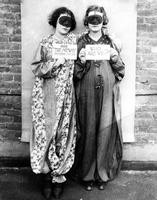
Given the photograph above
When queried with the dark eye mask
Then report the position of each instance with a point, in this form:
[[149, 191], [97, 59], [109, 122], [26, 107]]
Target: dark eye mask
[[95, 19], [65, 21]]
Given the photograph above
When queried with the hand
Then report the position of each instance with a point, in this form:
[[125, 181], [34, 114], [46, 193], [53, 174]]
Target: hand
[[60, 61], [82, 55], [105, 30], [113, 54]]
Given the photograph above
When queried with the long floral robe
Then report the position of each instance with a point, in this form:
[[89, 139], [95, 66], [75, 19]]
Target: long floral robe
[[53, 112], [99, 146]]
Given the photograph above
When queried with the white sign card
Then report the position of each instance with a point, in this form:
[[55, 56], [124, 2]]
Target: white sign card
[[97, 52], [68, 51]]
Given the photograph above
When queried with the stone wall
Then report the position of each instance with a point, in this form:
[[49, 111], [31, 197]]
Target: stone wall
[[146, 72], [10, 73]]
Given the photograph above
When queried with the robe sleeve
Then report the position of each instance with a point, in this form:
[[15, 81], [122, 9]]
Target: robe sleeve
[[80, 69], [41, 66], [116, 62], [118, 66]]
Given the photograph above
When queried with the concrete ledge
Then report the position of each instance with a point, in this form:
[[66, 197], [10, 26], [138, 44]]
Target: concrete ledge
[[136, 156], [145, 152], [132, 151], [14, 149], [20, 162]]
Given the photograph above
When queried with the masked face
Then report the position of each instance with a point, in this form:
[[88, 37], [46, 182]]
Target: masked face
[[65, 21], [95, 19], [63, 25]]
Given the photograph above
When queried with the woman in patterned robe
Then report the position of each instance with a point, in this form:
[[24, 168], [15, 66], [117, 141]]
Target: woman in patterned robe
[[99, 147], [53, 106]]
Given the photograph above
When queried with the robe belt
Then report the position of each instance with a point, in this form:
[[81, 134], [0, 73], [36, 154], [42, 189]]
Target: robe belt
[[99, 83]]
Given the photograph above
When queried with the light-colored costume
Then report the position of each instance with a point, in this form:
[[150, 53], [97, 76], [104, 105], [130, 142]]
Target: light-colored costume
[[53, 112]]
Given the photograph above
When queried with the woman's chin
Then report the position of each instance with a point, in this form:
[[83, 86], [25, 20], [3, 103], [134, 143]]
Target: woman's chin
[[95, 30], [64, 31]]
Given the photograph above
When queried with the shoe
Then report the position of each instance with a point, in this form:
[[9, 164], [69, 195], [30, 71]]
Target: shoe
[[88, 185], [101, 185], [47, 186], [57, 190], [47, 192]]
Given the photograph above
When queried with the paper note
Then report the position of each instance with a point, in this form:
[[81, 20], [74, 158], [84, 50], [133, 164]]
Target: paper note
[[68, 51], [98, 52]]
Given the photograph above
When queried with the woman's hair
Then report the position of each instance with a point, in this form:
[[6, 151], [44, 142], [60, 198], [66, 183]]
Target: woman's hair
[[53, 17], [96, 8]]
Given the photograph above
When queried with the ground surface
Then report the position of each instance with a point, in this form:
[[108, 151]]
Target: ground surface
[[129, 185]]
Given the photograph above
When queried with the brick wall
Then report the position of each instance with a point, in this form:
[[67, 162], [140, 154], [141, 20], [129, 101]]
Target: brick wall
[[10, 75], [146, 72], [10, 70]]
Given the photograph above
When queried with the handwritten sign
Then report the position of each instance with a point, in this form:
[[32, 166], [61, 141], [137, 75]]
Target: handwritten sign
[[97, 52], [68, 51]]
